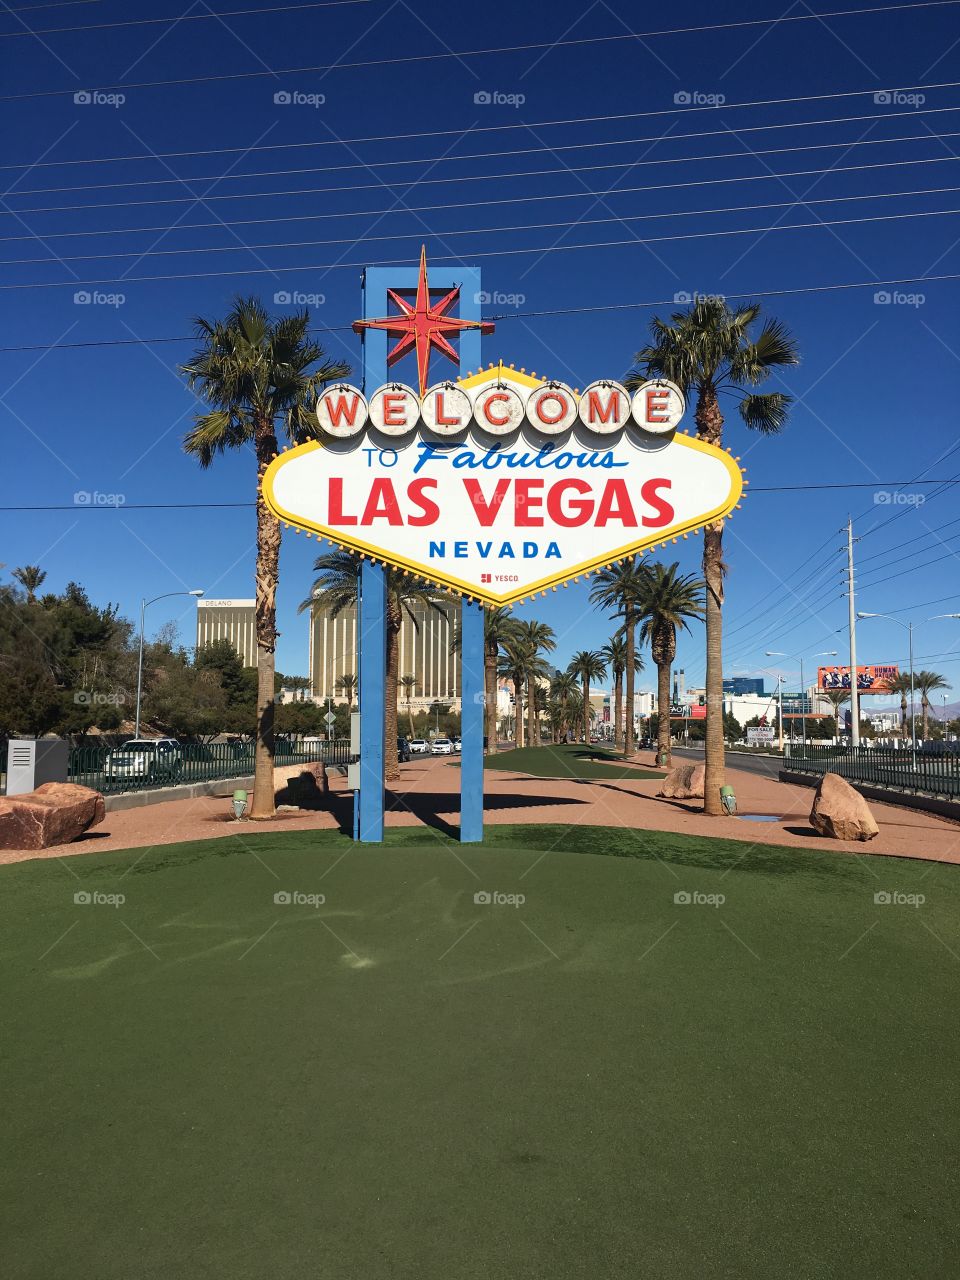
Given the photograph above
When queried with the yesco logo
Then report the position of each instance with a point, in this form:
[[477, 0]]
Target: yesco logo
[[502, 485]]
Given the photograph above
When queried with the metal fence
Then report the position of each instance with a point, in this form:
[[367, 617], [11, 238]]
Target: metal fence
[[116, 770], [931, 772]]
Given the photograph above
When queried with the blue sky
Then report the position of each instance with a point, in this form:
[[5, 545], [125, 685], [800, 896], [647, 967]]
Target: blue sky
[[874, 394]]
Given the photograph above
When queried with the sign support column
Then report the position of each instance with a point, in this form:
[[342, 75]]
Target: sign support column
[[472, 703], [372, 645]]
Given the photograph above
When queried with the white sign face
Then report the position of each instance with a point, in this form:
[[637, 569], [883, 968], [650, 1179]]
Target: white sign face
[[499, 519], [760, 735]]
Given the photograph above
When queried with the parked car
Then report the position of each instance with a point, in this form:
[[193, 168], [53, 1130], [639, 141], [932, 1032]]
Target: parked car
[[147, 759], [403, 750], [442, 747], [418, 747], [458, 744]]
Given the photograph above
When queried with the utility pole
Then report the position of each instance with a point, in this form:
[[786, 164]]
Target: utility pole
[[854, 690]]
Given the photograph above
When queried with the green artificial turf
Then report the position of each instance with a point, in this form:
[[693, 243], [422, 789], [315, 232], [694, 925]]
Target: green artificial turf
[[572, 760], [406, 1083]]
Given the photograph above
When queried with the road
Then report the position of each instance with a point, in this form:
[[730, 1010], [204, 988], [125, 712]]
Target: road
[[768, 766]]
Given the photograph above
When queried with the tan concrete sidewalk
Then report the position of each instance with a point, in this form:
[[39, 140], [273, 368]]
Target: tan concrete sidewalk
[[428, 796]]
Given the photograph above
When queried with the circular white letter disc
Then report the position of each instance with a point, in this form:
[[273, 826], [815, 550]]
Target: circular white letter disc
[[498, 410], [394, 409], [446, 409], [658, 407], [605, 407], [341, 411], [552, 408]]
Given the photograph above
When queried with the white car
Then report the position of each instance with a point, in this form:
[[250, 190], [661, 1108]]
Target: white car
[[457, 745], [150, 759], [442, 747], [418, 747]]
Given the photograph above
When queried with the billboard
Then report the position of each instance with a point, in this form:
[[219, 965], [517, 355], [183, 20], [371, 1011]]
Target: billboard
[[502, 485], [870, 679]]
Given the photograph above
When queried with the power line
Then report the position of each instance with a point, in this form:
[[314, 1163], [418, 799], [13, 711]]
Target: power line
[[193, 17], [527, 315], [488, 178], [488, 128], [475, 231], [461, 54], [433, 161], [542, 250]]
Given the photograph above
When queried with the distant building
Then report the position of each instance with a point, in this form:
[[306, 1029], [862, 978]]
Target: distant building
[[233, 620], [426, 653], [743, 684]]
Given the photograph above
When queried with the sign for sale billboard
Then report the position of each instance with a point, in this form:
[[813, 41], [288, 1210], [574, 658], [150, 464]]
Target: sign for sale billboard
[[502, 485]]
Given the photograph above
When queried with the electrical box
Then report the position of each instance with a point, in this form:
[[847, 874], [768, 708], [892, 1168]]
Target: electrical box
[[353, 776], [33, 761], [354, 733]]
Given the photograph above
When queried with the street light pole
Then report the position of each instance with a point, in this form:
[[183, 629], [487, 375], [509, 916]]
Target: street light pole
[[143, 610], [779, 653]]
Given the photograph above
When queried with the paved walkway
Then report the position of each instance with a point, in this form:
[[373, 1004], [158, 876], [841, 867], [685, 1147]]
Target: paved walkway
[[428, 796]]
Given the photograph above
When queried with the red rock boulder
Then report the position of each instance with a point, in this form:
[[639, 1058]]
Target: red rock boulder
[[840, 812], [56, 813], [685, 782]]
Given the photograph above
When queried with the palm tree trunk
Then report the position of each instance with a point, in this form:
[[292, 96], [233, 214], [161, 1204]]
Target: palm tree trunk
[[267, 573], [391, 765], [903, 715], [925, 716], [490, 691], [664, 756], [617, 711], [586, 710], [531, 713], [518, 709], [410, 715], [710, 428], [629, 744]]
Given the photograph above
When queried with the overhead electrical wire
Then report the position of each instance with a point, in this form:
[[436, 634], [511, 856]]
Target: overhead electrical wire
[[433, 161], [205, 199], [186, 17], [461, 54], [913, 112], [473, 231], [527, 315], [542, 250]]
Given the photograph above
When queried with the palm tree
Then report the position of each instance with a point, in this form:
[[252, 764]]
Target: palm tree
[[518, 661], [669, 600], [836, 698], [565, 691], [409, 683], [617, 588], [927, 682], [709, 349], [587, 665], [30, 577], [255, 374], [498, 625], [347, 685], [537, 637], [900, 684], [614, 654], [338, 586]]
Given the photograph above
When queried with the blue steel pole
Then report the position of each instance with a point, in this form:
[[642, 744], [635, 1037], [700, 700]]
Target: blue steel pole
[[372, 636], [472, 723]]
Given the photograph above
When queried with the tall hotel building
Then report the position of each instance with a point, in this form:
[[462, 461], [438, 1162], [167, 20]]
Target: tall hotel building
[[233, 620], [425, 652]]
